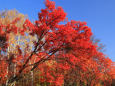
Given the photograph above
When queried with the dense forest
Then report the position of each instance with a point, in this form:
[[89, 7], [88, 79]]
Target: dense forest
[[51, 51]]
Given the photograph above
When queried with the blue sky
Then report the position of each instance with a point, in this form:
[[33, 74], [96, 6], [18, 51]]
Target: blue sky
[[99, 15]]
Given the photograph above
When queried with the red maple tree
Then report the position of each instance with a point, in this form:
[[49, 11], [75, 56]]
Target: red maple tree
[[63, 52]]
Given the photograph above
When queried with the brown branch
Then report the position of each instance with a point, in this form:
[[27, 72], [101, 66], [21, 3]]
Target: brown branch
[[43, 60], [15, 78]]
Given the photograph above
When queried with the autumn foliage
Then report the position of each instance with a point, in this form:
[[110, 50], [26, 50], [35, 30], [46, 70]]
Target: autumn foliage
[[52, 51]]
